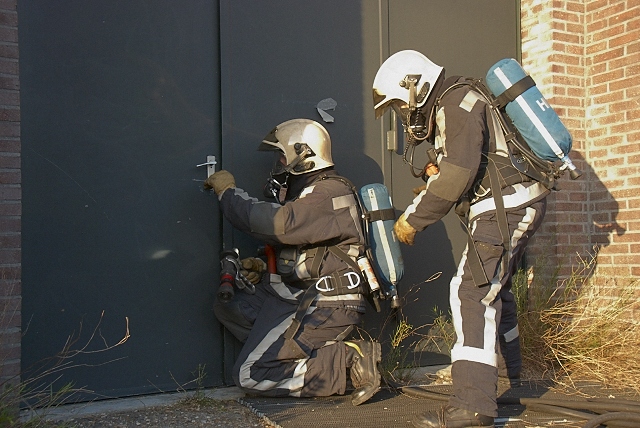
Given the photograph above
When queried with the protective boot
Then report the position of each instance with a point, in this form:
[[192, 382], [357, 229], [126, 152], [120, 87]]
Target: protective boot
[[363, 358], [452, 417]]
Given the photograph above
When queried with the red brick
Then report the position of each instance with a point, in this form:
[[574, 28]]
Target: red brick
[[10, 288], [10, 177], [9, 97], [9, 19], [10, 193], [10, 369], [10, 145], [12, 208], [10, 256]]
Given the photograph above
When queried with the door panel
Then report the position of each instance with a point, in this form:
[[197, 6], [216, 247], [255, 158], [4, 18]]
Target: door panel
[[119, 104]]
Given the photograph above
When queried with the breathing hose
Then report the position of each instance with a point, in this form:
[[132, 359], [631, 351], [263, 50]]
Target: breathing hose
[[625, 413]]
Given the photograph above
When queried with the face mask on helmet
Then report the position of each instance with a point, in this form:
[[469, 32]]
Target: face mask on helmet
[[404, 82], [305, 144], [276, 186]]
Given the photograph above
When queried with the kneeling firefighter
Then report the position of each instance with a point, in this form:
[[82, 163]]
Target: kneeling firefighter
[[464, 141], [294, 327]]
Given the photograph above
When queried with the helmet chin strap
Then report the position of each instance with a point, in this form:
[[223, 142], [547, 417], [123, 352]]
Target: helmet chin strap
[[304, 151]]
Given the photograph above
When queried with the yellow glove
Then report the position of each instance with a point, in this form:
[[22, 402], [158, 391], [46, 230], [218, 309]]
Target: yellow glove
[[404, 231], [220, 181], [253, 268]]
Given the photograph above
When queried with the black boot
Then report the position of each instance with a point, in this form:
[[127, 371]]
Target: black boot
[[452, 417], [363, 358]]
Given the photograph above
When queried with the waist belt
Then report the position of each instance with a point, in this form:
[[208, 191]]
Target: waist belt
[[343, 282], [338, 283]]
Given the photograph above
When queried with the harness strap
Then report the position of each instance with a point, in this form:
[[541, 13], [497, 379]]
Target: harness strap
[[501, 213], [386, 214], [307, 298], [475, 263], [514, 91], [508, 175]]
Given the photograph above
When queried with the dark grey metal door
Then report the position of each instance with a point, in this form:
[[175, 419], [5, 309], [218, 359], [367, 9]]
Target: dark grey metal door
[[120, 101]]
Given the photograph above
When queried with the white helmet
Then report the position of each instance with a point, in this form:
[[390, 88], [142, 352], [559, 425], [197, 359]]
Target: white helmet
[[304, 143], [404, 82]]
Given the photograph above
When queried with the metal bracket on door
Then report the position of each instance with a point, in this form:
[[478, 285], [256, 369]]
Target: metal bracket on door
[[210, 164]]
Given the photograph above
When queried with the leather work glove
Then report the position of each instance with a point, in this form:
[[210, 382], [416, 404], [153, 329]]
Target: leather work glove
[[253, 268], [404, 231], [220, 181]]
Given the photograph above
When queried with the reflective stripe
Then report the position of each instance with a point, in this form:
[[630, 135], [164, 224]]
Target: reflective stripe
[[476, 355], [469, 101], [384, 241], [501, 143], [283, 291], [340, 297], [349, 201], [441, 139], [293, 384], [306, 191], [512, 334], [301, 267], [343, 201], [521, 196], [487, 354], [354, 251]]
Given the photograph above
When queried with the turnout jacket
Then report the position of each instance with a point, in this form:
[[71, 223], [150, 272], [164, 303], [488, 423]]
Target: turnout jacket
[[465, 133], [323, 214]]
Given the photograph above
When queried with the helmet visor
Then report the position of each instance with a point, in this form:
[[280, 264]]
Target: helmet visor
[[279, 163]]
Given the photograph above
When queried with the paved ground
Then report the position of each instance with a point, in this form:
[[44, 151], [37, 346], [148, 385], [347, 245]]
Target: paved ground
[[215, 408], [219, 408]]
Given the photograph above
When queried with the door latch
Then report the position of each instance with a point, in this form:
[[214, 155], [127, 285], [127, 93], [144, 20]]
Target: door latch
[[210, 164]]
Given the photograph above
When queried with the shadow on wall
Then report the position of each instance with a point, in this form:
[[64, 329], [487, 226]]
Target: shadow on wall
[[583, 220], [603, 210]]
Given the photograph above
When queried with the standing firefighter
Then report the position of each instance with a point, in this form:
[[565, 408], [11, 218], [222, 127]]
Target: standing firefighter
[[460, 125], [295, 324]]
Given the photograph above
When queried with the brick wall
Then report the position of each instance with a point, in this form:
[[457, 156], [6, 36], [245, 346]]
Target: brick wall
[[585, 55], [10, 194]]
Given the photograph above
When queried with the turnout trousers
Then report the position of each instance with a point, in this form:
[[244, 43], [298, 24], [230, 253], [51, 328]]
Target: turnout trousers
[[477, 310], [313, 363]]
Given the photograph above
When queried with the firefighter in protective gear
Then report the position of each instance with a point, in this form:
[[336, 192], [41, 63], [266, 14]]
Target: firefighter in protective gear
[[296, 325], [463, 130]]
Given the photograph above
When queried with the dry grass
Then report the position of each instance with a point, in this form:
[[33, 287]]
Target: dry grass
[[580, 330], [39, 389]]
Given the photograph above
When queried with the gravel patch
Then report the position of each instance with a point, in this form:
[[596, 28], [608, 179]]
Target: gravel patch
[[212, 408], [228, 414]]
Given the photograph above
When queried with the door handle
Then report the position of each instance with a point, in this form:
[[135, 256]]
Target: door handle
[[210, 164]]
